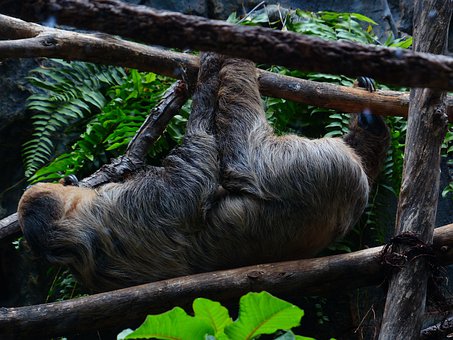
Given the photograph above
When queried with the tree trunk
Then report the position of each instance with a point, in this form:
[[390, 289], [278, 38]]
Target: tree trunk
[[427, 123]]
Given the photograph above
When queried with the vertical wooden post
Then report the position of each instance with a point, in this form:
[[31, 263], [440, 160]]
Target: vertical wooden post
[[427, 123]]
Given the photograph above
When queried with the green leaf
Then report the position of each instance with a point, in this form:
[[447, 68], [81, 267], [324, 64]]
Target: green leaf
[[232, 18], [174, 324], [96, 99], [262, 313], [213, 312], [363, 18]]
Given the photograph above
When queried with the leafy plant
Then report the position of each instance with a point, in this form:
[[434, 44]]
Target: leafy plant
[[259, 314], [66, 93], [64, 286], [108, 133]]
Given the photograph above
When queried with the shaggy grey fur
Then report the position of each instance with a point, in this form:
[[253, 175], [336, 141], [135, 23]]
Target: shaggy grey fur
[[232, 194]]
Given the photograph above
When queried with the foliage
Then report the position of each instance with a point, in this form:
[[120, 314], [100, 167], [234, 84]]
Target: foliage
[[108, 133], [64, 286], [66, 93], [259, 313]]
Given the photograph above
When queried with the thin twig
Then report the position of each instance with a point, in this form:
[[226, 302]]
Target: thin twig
[[389, 17]]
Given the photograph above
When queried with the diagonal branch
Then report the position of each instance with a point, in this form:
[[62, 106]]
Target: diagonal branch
[[151, 129], [136, 151]]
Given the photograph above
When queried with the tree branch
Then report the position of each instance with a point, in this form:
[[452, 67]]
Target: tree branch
[[121, 167], [105, 49], [9, 227], [157, 120], [124, 307], [388, 65], [439, 331]]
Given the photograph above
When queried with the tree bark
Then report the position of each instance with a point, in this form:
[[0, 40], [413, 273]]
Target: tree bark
[[124, 307], [388, 65], [427, 124], [9, 227], [157, 120]]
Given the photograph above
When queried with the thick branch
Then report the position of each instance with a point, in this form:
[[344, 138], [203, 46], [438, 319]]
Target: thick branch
[[28, 40], [125, 307], [105, 49], [392, 66], [9, 227], [417, 203]]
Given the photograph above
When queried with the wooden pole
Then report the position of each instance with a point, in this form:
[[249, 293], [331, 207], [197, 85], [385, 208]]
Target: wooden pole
[[427, 123]]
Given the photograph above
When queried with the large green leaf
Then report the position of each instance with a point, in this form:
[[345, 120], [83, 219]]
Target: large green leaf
[[262, 313], [66, 93], [212, 312], [174, 324]]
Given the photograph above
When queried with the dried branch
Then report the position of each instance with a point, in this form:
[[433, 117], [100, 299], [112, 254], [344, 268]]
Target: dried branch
[[124, 307], [133, 159], [388, 65], [9, 227], [20, 39], [157, 120]]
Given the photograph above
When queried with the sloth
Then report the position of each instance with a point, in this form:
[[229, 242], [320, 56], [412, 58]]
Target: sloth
[[232, 194]]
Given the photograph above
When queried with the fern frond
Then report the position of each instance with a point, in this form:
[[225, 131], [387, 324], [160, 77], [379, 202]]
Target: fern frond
[[65, 92]]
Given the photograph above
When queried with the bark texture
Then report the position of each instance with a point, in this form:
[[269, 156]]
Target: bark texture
[[427, 124]]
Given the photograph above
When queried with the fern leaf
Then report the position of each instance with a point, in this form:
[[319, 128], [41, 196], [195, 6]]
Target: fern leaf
[[65, 93]]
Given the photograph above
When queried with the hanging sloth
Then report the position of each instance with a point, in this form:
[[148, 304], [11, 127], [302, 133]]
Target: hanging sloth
[[232, 194]]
